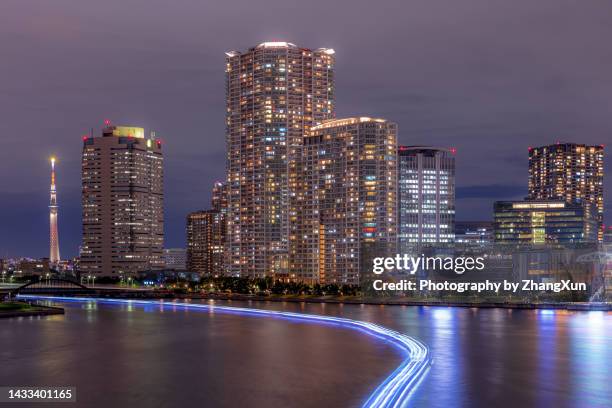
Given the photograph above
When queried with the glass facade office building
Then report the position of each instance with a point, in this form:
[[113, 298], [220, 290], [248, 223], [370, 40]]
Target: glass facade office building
[[426, 195], [544, 222]]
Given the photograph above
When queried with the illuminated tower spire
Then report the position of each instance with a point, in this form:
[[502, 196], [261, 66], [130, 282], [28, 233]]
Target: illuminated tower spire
[[54, 256]]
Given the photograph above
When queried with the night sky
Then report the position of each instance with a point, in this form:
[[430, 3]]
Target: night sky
[[488, 77]]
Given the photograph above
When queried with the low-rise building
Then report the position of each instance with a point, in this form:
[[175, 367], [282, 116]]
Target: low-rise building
[[175, 259], [544, 222]]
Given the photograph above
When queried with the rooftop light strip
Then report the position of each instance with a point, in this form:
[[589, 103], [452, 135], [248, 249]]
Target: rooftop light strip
[[394, 391]]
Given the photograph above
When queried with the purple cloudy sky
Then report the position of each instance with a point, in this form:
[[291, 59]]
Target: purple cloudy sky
[[489, 77]]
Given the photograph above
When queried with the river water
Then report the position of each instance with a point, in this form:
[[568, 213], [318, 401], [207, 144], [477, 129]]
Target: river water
[[127, 356]]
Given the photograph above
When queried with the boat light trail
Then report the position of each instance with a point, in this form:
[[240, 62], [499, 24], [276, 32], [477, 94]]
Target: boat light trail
[[394, 392]]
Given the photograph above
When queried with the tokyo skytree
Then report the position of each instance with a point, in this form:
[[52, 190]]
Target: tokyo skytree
[[54, 255]]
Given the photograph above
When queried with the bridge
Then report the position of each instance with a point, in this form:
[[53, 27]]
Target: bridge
[[52, 286], [66, 287]]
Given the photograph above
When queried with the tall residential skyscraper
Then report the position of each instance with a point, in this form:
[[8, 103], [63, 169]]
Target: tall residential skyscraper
[[275, 93], [568, 171], [54, 254], [219, 197], [426, 195], [347, 201], [122, 203], [205, 242]]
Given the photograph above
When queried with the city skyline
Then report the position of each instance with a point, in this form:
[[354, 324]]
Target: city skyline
[[306, 203], [489, 131]]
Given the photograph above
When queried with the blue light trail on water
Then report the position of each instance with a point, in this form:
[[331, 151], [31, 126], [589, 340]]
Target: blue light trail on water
[[394, 392]]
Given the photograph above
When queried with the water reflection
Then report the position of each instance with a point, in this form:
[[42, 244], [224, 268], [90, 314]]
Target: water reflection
[[590, 359], [482, 357], [135, 356], [499, 357]]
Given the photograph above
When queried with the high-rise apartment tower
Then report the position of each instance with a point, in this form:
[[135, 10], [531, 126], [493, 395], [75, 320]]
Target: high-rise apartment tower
[[347, 201], [122, 203], [570, 172], [205, 242], [275, 93]]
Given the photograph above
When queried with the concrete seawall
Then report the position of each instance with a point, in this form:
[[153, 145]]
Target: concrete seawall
[[399, 302]]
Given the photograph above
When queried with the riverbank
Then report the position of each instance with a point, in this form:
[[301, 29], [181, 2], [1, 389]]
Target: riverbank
[[24, 309], [355, 300], [404, 302]]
